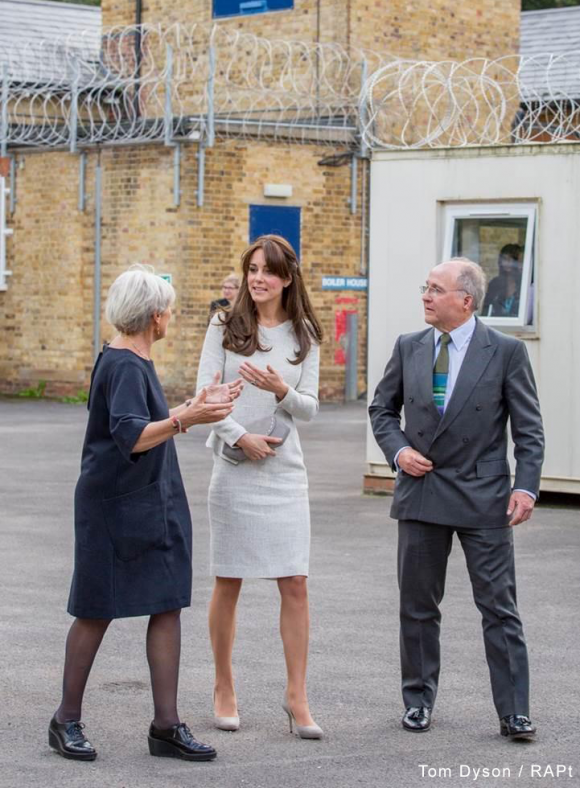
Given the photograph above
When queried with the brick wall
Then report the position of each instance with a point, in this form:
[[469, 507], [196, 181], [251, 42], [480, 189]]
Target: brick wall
[[425, 29], [437, 29], [300, 23], [46, 314], [47, 310]]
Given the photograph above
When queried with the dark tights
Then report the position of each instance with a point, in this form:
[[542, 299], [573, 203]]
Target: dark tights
[[163, 650]]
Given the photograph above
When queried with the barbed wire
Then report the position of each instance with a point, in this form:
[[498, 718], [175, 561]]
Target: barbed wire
[[514, 99], [202, 82], [147, 83]]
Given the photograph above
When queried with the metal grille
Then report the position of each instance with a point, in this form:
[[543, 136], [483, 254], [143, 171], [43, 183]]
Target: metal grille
[[150, 83]]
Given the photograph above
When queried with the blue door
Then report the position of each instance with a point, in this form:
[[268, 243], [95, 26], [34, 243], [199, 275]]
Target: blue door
[[277, 219]]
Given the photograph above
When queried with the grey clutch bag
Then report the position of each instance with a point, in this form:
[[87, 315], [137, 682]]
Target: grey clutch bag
[[271, 426]]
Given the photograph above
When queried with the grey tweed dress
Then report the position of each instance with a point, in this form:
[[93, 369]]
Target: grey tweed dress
[[258, 510]]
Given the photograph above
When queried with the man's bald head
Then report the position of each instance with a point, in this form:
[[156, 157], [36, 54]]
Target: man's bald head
[[469, 277], [455, 289]]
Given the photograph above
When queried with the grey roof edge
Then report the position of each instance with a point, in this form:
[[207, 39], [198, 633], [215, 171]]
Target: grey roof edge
[[54, 4], [565, 9]]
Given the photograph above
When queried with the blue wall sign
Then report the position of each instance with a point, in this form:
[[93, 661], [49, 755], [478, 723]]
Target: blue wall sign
[[344, 282]]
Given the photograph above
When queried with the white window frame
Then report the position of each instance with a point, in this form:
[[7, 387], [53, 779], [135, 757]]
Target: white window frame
[[514, 210], [4, 233]]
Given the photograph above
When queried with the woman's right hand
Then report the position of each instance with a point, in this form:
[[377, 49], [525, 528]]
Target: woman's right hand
[[258, 447], [202, 412], [224, 392]]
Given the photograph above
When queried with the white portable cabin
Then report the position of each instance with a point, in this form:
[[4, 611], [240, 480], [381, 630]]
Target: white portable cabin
[[429, 205]]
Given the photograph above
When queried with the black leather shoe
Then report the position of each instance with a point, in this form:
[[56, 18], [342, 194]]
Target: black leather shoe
[[517, 726], [68, 740], [417, 719], [178, 742]]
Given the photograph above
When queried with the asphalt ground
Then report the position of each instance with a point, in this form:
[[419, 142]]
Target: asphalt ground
[[354, 670]]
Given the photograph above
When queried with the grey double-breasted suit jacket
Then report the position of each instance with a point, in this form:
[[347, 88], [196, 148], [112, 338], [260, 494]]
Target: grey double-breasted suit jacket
[[469, 485]]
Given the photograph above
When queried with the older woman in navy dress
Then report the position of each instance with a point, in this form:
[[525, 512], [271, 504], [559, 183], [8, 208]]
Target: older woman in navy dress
[[132, 521]]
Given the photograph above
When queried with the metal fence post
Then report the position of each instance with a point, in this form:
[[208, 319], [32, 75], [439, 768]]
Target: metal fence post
[[97, 275], [4, 115], [200, 173], [364, 149], [351, 369], [168, 116], [176, 175], [74, 108], [12, 183], [353, 183], [82, 203], [210, 99]]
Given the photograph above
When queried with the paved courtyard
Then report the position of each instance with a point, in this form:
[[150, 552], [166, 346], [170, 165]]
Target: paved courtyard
[[353, 675]]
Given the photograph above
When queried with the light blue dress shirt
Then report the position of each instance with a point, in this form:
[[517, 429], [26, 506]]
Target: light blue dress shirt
[[460, 339]]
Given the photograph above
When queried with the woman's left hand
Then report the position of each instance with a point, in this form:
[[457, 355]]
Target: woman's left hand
[[267, 380]]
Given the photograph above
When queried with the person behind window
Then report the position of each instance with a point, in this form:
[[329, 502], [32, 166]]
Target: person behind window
[[230, 289], [132, 521], [503, 294]]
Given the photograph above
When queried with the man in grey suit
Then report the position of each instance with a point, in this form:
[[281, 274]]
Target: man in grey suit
[[458, 383]]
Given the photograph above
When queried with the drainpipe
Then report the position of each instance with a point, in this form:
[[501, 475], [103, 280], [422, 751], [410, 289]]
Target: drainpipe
[[97, 269], [138, 55]]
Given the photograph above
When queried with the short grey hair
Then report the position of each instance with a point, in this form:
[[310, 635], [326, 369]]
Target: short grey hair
[[135, 296], [472, 279], [234, 279]]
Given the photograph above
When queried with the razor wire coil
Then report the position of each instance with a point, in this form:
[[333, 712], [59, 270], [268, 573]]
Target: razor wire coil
[[165, 84]]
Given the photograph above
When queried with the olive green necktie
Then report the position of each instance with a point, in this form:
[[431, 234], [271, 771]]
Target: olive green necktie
[[441, 373]]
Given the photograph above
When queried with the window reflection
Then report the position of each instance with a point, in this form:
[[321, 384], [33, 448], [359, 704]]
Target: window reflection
[[498, 244]]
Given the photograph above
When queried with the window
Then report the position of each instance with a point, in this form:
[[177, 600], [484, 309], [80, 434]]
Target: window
[[236, 7], [277, 219], [500, 237]]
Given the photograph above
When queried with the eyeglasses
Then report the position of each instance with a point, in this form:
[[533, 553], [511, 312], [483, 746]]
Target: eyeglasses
[[230, 287], [435, 291]]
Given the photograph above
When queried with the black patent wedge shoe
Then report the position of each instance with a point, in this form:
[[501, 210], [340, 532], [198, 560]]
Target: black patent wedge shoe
[[68, 740], [178, 742]]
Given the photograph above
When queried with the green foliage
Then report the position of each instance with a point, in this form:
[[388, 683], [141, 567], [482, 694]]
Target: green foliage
[[38, 392], [537, 5], [78, 399], [34, 392]]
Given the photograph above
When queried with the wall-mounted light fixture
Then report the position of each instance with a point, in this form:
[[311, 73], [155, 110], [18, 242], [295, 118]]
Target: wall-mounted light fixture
[[277, 190]]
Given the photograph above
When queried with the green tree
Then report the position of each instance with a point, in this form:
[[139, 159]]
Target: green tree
[[536, 5]]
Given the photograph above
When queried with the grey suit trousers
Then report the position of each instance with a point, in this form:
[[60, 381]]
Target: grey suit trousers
[[422, 562]]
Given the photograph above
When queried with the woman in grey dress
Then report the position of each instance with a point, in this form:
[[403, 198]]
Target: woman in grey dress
[[258, 508]]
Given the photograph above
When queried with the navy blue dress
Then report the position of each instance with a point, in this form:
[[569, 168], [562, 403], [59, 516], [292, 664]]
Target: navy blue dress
[[132, 521]]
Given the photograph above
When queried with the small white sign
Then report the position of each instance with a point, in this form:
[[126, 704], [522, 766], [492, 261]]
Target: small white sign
[[344, 283]]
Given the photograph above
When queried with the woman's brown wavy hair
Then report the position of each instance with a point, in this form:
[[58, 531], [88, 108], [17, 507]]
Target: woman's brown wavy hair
[[241, 322]]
